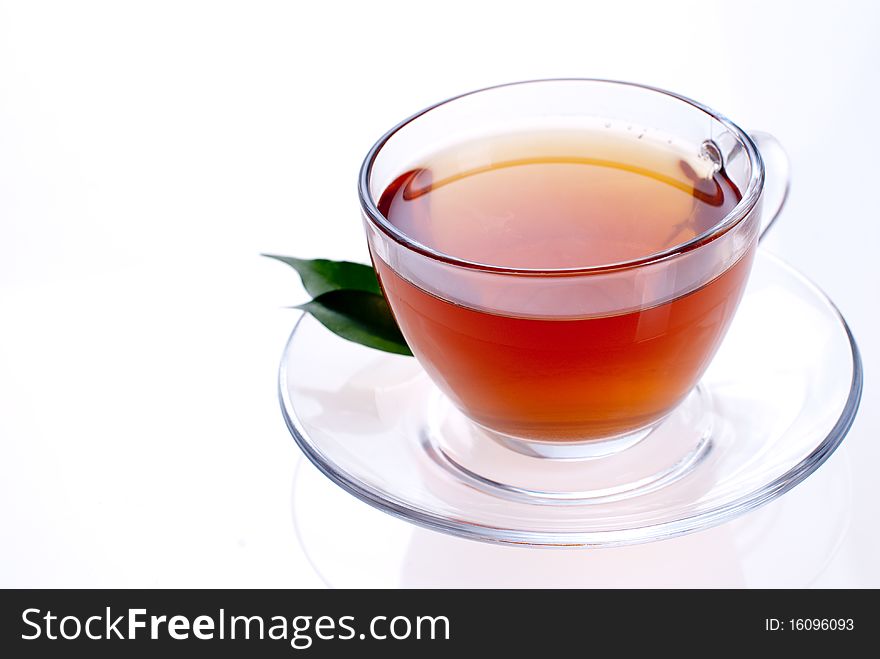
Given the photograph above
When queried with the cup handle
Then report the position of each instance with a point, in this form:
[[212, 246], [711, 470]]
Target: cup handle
[[777, 178]]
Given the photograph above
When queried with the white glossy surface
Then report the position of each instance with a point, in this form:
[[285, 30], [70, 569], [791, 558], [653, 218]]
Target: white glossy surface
[[148, 152]]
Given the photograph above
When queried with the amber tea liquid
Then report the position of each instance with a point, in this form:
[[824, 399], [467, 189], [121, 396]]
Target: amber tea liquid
[[562, 199]]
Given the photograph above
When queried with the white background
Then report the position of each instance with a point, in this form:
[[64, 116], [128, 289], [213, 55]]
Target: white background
[[150, 150]]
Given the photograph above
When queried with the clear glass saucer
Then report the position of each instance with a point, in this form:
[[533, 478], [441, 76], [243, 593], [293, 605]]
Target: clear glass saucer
[[777, 400]]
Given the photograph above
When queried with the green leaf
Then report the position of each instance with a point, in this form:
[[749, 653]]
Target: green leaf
[[321, 275], [359, 316]]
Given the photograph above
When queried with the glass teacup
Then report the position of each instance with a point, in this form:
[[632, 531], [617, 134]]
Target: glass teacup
[[587, 358]]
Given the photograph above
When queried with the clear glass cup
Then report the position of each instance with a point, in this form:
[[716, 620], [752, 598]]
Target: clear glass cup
[[643, 293]]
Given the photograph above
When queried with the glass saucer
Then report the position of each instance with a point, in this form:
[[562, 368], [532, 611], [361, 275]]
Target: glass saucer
[[777, 400]]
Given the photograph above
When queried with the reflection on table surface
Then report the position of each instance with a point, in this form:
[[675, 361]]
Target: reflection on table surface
[[787, 543]]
